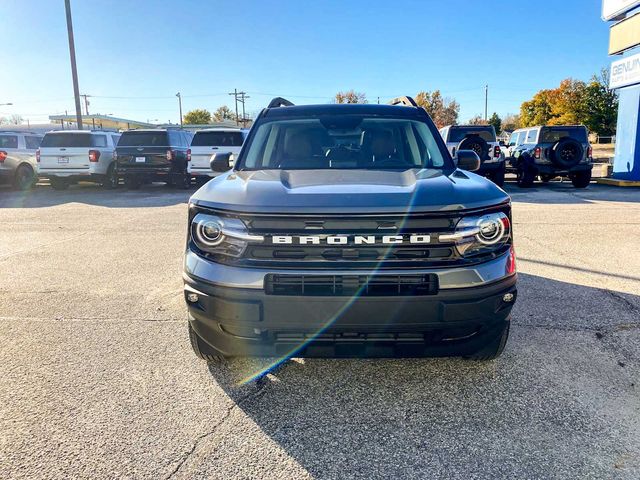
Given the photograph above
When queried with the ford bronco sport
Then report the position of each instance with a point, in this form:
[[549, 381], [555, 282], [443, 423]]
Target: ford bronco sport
[[549, 152], [348, 230]]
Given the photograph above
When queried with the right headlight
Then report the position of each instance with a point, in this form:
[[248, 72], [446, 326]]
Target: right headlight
[[220, 235], [483, 234]]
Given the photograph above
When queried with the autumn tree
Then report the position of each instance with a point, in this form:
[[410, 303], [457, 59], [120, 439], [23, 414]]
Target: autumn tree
[[350, 96], [477, 120], [223, 113], [510, 122], [443, 111], [198, 117], [496, 121]]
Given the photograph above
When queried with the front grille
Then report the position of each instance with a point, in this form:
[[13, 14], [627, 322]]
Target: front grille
[[351, 285]]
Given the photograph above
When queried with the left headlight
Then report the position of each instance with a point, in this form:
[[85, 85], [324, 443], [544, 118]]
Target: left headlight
[[477, 235], [221, 235]]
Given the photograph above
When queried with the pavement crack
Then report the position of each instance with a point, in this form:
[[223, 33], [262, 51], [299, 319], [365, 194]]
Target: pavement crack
[[621, 298], [256, 393]]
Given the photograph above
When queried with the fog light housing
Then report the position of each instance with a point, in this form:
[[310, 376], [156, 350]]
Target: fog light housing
[[192, 297], [508, 297]]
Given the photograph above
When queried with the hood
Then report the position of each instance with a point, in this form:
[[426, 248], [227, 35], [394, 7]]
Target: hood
[[348, 191]]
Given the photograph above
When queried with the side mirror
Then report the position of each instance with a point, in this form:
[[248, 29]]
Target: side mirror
[[467, 160], [221, 162]]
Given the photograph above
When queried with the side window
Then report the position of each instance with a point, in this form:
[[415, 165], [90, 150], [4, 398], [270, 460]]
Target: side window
[[175, 138], [521, 136], [531, 136], [99, 141], [8, 141], [32, 143], [513, 139]]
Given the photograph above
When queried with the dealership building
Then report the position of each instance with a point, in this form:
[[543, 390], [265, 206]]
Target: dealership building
[[624, 40]]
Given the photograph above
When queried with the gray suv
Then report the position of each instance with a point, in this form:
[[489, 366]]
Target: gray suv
[[550, 151], [18, 158]]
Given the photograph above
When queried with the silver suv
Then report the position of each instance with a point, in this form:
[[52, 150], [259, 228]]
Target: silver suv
[[550, 151], [18, 158]]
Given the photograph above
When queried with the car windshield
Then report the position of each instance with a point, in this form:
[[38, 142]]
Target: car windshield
[[343, 142], [217, 139], [143, 139], [66, 140], [457, 134], [552, 135]]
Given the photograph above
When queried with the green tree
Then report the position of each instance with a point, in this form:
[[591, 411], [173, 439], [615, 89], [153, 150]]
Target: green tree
[[223, 113], [197, 117], [496, 121], [601, 105], [350, 96], [443, 111]]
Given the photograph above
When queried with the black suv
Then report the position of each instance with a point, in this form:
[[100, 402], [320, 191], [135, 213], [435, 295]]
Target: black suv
[[160, 154], [549, 152], [348, 230]]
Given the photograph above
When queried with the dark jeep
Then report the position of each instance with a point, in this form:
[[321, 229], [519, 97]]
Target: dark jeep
[[348, 230]]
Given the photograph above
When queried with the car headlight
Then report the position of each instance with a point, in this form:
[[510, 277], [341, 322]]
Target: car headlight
[[477, 235], [220, 235]]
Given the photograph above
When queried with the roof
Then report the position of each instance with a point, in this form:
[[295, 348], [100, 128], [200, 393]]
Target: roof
[[102, 121], [218, 129], [344, 108]]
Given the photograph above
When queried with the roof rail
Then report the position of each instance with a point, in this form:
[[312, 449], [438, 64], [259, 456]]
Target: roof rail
[[279, 102], [405, 100]]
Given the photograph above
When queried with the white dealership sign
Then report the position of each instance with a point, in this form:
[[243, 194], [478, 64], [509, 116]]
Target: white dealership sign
[[613, 8], [625, 72]]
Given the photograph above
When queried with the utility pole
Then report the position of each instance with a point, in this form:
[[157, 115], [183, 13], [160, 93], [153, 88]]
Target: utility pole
[[74, 70], [243, 96], [486, 102], [86, 104], [180, 105], [235, 96]]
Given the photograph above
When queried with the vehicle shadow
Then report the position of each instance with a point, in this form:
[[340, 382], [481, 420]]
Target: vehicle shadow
[[42, 195], [563, 192], [558, 404]]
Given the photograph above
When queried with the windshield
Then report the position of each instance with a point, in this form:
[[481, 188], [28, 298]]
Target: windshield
[[143, 139], [457, 134], [343, 142], [217, 139]]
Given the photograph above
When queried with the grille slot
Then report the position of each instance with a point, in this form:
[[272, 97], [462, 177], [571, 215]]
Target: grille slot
[[349, 285]]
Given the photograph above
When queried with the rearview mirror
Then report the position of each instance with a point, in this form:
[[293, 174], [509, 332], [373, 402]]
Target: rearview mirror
[[467, 160], [221, 162]]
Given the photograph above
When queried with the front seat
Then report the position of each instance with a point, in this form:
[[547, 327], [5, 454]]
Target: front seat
[[299, 152], [378, 146]]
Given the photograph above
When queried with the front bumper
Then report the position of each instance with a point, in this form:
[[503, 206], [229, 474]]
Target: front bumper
[[246, 321]]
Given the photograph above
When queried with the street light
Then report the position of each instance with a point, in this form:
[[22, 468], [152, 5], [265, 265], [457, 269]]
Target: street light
[[180, 103]]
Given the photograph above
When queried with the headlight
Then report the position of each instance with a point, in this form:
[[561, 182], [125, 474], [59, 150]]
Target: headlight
[[220, 235], [476, 235]]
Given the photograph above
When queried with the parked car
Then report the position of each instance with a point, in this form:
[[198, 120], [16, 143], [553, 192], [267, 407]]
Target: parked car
[[207, 142], [482, 140], [18, 158], [68, 156], [149, 155], [551, 151], [348, 230]]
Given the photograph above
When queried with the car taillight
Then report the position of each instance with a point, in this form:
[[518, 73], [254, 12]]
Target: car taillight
[[496, 151], [94, 155], [38, 155], [188, 154], [537, 153], [590, 151], [511, 261], [3, 156]]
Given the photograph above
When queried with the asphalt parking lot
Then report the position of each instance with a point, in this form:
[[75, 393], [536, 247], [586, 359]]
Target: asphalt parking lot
[[97, 379]]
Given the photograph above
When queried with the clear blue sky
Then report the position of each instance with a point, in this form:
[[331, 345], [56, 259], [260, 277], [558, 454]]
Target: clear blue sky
[[303, 50]]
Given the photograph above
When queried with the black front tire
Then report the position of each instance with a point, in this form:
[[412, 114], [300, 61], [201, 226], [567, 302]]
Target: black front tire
[[201, 349], [25, 178], [494, 348], [525, 176], [111, 180], [185, 181], [59, 183], [581, 179]]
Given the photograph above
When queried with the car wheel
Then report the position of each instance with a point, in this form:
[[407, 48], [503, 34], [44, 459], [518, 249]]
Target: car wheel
[[25, 178], [494, 348], [185, 181], [201, 349], [581, 179], [525, 176], [132, 183], [59, 183], [112, 180]]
